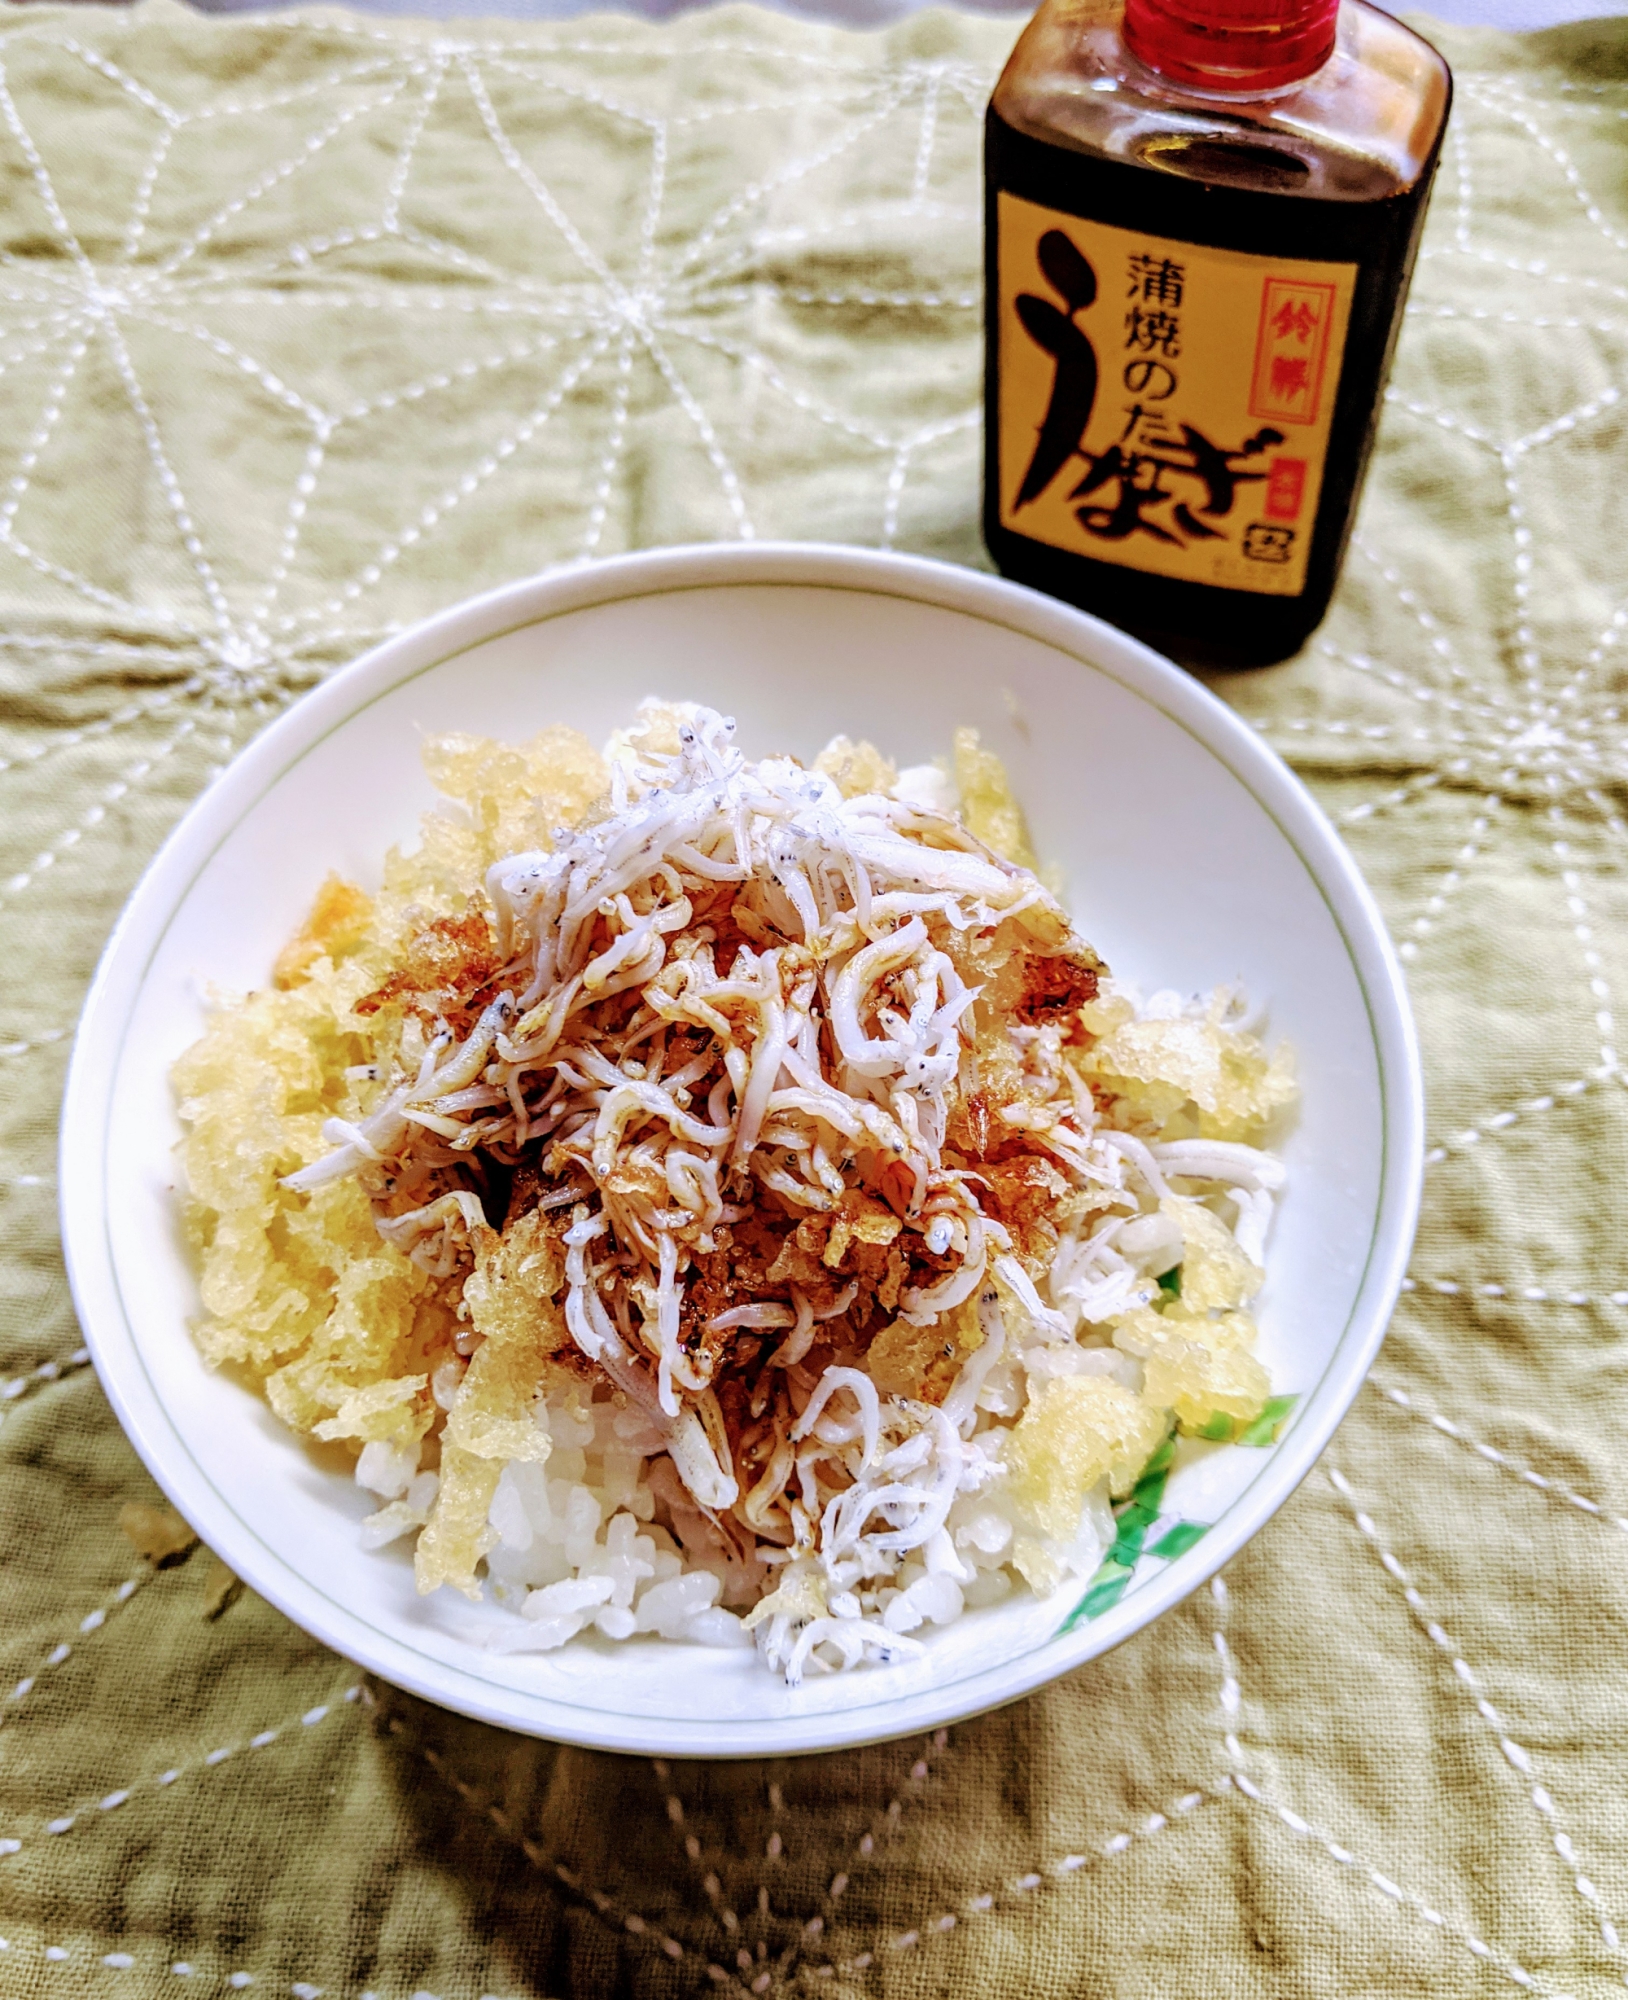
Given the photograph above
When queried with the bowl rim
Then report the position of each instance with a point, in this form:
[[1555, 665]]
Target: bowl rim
[[99, 1047]]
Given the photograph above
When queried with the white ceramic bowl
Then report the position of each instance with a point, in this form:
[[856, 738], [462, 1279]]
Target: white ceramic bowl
[[1192, 855]]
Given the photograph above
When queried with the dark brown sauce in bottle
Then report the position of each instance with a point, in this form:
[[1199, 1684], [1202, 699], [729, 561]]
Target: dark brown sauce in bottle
[[1078, 127]]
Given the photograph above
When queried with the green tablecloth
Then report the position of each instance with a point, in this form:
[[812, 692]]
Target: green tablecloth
[[307, 327]]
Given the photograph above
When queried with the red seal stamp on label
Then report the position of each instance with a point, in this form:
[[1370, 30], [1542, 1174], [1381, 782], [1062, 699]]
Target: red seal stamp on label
[[1285, 488], [1291, 347]]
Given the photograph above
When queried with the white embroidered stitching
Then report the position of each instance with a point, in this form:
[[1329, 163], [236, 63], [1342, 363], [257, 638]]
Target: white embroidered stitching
[[14, 1388], [145, 1788], [1515, 1755], [1526, 1474], [1392, 1891]]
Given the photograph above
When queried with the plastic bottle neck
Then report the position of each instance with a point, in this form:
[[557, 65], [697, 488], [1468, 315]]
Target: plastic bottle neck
[[1241, 47]]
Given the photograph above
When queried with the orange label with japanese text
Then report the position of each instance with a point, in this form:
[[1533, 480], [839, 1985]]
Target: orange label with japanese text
[[1165, 406]]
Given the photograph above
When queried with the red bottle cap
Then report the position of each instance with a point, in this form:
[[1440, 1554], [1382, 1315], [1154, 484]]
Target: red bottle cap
[[1233, 45]]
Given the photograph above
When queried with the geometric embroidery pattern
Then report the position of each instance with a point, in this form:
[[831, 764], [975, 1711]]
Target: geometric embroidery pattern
[[310, 327]]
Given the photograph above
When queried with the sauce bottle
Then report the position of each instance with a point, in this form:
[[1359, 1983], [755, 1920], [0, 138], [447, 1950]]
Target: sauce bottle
[[1201, 218]]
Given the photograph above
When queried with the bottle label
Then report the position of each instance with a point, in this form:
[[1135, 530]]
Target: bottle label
[[1163, 405]]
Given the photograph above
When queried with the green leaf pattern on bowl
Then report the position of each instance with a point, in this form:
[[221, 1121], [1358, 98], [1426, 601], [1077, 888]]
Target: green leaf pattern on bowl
[[1138, 1516]]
